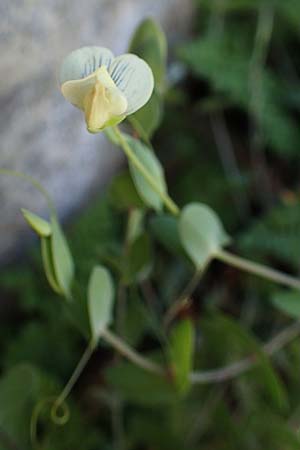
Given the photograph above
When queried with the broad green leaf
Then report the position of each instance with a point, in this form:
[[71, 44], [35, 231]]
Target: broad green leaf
[[100, 300], [19, 389], [123, 194], [182, 342], [138, 262], [139, 386], [62, 259], [38, 224], [202, 234], [148, 159], [165, 229], [288, 302], [47, 258], [147, 119], [149, 42]]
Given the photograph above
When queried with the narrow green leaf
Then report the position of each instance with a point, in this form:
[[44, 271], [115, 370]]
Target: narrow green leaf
[[288, 302], [152, 164], [48, 264], [38, 224], [100, 300], [62, 259], [202, 234], [182, 342]]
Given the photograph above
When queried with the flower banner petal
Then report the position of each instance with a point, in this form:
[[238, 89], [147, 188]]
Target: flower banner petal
[[134, 78], [83, 62]]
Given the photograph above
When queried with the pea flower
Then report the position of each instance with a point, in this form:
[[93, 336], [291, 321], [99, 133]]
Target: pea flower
[[106, 88]]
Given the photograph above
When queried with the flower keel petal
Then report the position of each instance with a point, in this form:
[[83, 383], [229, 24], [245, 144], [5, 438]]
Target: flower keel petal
[[104, 103]]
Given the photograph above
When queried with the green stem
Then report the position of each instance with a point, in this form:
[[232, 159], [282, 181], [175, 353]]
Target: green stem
[[166, 199], [237, 368], [130, 353], [34, 183], [183, 299], [258, 269], [76, 374]]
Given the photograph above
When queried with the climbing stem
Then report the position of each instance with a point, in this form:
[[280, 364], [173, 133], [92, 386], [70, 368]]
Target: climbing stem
[[36, 413], [258, 269], [228, 258], [131, 354], [76, 374], [166, 199]]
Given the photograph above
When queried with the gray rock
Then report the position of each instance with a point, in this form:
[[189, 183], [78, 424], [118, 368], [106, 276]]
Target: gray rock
[[42, 135]]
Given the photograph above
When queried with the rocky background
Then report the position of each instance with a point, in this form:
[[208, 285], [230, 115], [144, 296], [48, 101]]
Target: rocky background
[[42, 135]]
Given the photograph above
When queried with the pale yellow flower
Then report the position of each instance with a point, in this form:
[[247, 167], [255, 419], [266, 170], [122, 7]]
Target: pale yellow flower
[[106, 88]]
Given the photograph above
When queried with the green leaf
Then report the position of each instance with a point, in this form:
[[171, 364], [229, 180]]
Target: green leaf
[[39, 225], [147, 119], [49, 265], [202, 234], [139, 386], [62, 259], [149, 42], [19, 389], [100, 300], [123, 194], [153, 166], [165, 229], [138, 263], [287, 302], [182, 342], [135, 225]]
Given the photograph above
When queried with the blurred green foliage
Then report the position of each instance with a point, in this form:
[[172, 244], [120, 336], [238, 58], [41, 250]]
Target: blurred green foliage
[[229, 138]]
